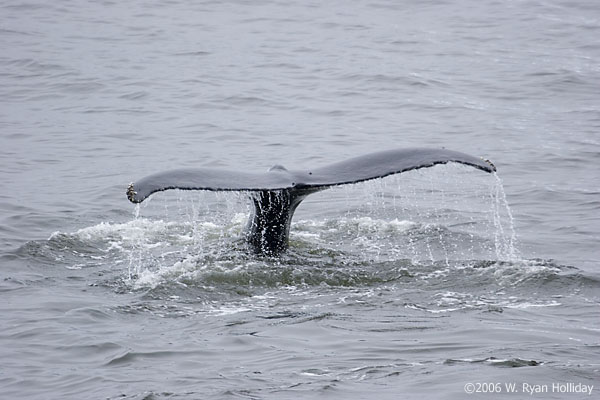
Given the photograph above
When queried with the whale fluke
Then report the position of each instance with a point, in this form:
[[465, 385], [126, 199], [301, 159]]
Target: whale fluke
[[277, 192]]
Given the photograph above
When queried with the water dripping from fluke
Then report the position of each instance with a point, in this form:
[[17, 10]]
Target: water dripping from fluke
[[277, 193], [506, 242], [135, 255]]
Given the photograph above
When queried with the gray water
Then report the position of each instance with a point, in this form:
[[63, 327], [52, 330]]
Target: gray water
[[415, 285]]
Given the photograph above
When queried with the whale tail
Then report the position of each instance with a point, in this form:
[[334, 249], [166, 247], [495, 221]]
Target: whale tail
[[277, 193]]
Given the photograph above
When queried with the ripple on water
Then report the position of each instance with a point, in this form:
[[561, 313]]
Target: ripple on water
[[497, 362]]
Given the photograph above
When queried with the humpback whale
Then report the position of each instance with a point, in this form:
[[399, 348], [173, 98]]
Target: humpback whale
[[276, 194]]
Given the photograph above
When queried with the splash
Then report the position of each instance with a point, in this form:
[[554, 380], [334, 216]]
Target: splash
[[199, 224], [445, 215]]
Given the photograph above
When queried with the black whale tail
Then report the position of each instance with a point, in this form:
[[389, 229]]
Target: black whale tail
[[277, 193]]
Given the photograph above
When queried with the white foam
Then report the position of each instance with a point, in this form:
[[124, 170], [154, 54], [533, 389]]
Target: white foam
[[531, 305], [363, 223], [228, 310], [519, 271], [151, 279], [376, 225]]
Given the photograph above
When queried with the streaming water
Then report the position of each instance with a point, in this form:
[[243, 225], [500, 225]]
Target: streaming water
[[397, 219], [506, 238]]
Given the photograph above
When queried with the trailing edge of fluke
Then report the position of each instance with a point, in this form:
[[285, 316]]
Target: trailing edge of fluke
[[277, 192]]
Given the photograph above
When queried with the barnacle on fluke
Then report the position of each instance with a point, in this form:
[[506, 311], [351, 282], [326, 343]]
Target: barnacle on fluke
[[489, 162], [131, 193]]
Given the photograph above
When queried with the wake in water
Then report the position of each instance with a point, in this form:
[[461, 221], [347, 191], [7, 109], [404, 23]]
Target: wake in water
[[423, 223], [435, 231]]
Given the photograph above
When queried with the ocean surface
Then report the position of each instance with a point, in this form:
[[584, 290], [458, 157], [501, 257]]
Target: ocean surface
[[433, 283]]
